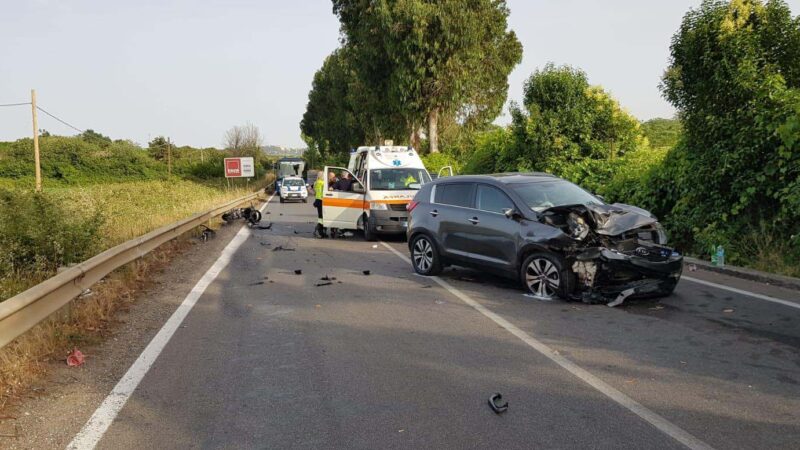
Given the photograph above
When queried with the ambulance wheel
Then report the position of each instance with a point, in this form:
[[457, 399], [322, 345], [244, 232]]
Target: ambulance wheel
[[369, 229]]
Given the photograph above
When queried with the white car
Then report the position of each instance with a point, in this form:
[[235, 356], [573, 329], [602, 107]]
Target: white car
[[293, 188]]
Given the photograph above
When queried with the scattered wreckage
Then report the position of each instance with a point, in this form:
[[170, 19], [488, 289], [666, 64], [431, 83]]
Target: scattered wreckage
[[614, 252]]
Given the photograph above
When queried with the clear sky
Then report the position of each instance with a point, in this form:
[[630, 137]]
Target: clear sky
[[191, 69]]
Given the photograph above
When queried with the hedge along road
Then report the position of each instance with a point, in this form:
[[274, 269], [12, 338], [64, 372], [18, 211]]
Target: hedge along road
[[267, 359]]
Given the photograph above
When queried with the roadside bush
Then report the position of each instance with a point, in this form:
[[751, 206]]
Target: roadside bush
[[435, 161], [38, 234]]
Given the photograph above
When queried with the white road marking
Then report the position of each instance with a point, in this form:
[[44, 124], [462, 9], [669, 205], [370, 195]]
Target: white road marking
[[743, 292], [662, 424], [104, 416]]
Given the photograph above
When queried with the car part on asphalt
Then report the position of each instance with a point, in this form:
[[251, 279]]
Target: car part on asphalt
[[366, 272], [498, 409], [281, 248], [327, 283], [298, 272]]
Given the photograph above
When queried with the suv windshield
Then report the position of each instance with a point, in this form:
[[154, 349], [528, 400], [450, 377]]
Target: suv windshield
[[398, 179], [294, 182], [546, 194]]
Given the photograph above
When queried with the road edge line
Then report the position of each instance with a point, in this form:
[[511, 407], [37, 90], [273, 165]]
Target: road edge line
[[743, 292], [651, 417], [97, 425]]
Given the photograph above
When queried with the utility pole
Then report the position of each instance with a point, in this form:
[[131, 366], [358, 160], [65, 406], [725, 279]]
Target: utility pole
[[36, 142], [169, 156]]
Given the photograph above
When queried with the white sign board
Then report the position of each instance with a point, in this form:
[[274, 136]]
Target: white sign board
[[243, 167]]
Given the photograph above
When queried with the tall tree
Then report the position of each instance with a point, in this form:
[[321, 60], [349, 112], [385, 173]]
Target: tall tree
[[447, 57], [734, 77], [244, 140], [565, 120]]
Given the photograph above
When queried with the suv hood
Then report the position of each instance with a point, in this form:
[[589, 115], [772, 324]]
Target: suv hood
[[609, 220]]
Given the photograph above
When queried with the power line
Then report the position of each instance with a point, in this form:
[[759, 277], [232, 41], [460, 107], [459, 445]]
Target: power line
[[65, 123], [15, 104]]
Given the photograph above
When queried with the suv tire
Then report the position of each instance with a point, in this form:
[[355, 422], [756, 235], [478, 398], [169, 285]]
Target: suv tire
[[425, 256], [545, 276]]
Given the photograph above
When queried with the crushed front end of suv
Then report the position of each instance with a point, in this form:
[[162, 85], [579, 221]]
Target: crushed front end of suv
[[554, 237], [614, 251]]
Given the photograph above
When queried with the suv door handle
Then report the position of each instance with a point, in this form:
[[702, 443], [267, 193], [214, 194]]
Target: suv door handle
[[434, 213], [474, 220]]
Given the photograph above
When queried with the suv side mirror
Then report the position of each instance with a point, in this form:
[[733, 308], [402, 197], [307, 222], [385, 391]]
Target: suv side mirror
[[357, 187]]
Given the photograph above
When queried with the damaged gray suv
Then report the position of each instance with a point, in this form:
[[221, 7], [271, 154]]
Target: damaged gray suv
[[551, 235]]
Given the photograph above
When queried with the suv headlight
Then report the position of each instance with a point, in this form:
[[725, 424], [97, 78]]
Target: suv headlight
[[378, 206]]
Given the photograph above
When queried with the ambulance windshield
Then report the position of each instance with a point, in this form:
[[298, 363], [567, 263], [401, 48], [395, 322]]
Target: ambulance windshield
[[398, 179]]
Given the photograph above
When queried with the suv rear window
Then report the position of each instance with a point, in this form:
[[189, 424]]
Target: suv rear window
[[456, 194]]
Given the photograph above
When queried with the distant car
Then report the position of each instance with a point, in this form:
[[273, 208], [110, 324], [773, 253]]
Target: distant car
[[293, 189], [551, 235]]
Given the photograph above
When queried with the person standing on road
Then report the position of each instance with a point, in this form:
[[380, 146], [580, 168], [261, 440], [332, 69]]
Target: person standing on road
[[319, 191]]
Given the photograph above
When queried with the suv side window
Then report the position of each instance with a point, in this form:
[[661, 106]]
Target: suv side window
[[456, 194], [489, 198]]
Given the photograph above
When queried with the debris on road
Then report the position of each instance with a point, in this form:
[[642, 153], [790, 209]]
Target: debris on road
[[263, 227], [621, 297], [692, 267], [265, 244], [656, 308], [498, 409], [728, 310], [374, 245], [207, 233], [281, 248], [257, 283], [366, 272], [327, 283], [75, 358], [328, 278], [298, 272]]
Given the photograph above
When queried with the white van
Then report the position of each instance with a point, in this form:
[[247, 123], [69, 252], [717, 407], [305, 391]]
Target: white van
[[386, 178]]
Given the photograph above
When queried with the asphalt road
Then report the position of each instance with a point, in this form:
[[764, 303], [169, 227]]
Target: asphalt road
[[268, 359]]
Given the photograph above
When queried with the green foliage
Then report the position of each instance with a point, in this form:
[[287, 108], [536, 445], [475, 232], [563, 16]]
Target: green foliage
[[335, 121], [662, 133], [433, 59], [158, 148], [74, 160], [735, 78], [436, 161], [94, 137], [38, 234], [566, 121]]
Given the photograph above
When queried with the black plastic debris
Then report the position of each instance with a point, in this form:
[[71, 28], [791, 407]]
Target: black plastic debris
[[327, 283], [263, 227], [493, 403], [257, 283], [328, 278], [298, 272], [207, 233], [366, 272], [281, 248], [265, 244]]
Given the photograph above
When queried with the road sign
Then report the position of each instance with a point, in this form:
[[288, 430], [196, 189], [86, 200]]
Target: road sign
[[239, 168]]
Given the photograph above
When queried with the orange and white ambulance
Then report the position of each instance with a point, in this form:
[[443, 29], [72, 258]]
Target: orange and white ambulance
[[386, 178]]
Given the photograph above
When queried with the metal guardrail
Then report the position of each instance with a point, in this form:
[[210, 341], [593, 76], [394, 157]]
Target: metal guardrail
[[25, 310]]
